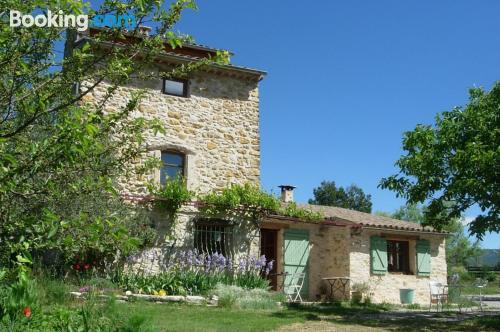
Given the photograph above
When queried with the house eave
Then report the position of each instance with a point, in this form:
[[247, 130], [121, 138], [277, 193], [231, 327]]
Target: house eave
[[171, 57]]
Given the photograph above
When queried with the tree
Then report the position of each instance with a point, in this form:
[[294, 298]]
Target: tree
[[458, 246], [351, 197], [61, 156], [411, 212], [455, 164]]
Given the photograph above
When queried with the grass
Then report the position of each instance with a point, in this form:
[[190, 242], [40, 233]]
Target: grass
[[172, 317], [340, 316], [490, 289]]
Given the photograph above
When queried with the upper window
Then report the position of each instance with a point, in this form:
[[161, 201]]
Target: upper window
[[175, 87], [398, 257], [173, 165]]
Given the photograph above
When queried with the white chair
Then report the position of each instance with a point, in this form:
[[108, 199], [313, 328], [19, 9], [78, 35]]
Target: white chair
[[437, 294], [293, 287]]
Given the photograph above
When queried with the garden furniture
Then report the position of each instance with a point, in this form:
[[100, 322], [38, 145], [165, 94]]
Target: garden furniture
[[293, 286], [338, 284], [438, 294]]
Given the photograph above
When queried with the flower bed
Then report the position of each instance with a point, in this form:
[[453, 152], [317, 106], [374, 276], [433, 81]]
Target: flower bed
[[193, 273]]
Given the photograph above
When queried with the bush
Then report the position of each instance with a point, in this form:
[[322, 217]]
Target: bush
[[462, 273], [237, 297], [21, 303]]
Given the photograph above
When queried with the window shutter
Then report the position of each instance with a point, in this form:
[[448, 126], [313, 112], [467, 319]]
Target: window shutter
[[378, 253], [423, 258]]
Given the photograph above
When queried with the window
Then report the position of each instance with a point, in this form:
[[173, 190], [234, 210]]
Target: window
[[175, 87], [173, 165], [398, 258], [210, 238]]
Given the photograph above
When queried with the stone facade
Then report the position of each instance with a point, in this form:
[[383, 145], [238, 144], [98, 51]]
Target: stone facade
[[385, 288], [329, 249], [216, 127], [344, 252]]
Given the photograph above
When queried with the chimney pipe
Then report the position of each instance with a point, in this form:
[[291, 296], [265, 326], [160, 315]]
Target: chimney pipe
[[287, 193], [144, 30]]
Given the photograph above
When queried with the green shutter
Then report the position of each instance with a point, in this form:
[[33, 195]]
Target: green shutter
[[296, 252], [378, 253], [423, 258]]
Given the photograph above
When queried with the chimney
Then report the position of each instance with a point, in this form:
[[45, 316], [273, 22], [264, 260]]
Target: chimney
[[287, 193], [144, 30]]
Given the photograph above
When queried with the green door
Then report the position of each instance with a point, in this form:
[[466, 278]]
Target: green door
[[297, 256]]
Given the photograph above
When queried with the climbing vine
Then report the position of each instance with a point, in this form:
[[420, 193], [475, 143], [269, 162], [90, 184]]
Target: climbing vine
[[170, 196], [246, 201], [293, 210]]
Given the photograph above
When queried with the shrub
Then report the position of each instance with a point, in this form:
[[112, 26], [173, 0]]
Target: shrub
[[231, 296], [462, 273]]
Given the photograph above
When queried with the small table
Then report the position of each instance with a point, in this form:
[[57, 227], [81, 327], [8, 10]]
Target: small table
[[338, 284]]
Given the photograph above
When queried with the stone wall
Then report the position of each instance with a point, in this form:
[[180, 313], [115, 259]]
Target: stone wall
[[327, 257], [385, 288], [174, 238], [217, 127]]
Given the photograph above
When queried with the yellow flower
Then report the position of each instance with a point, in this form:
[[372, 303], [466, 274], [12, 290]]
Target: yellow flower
[[162, 292]]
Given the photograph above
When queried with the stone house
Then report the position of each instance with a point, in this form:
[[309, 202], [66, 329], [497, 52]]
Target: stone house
[[212, 139]]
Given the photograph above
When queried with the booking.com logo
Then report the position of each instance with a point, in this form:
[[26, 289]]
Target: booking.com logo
[[58, 19]]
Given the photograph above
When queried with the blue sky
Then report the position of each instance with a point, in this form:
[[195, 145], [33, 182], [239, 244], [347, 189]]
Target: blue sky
[[347, 78]]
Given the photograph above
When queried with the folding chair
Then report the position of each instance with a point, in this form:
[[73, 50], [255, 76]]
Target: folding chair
[[294, 286]]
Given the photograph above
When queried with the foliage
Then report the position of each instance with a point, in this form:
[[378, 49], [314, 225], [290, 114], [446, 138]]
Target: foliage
[[410, 212], [63, 147], [17, 299], [250, 201], [170, 196], [363, 288], [459, 248], [351, 197], [413, 306], [455, 161], [237, 297], [193, 273], [292, 210], [24, 307]]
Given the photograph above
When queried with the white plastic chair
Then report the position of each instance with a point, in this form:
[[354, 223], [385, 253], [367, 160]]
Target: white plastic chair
[[292, 289], [437, 294]]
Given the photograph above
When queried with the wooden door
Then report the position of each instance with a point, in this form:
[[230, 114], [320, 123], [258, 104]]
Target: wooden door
[[269, 248]]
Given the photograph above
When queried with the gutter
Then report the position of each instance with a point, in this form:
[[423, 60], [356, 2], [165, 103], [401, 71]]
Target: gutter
[[388, 229]]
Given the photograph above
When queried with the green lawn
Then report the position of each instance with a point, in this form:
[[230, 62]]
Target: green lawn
[[170, 317], [491, 288]]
